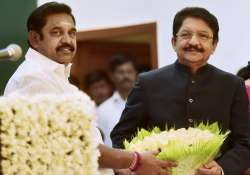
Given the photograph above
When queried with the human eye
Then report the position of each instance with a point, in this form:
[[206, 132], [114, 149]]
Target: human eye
[[204, 36], [56, 32], [72, 33], [185, 35]]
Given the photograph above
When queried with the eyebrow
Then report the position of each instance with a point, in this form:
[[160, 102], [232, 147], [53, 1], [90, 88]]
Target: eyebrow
[[201, 31], [55, 28], [73, 28], [59, 28]]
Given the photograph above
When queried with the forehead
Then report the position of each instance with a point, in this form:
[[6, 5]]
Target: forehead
[[195, 24], [125, 66], [60, 20], [99, 83]]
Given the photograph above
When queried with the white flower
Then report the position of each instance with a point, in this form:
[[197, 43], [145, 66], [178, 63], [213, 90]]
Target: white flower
[[48, 135], [190, 147]]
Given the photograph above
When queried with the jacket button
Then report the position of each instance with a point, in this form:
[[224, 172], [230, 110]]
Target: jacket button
[[190, 120], [191, 100]]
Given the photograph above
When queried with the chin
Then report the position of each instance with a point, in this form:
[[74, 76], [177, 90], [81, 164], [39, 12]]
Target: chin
[[66, 60], [193, 58]]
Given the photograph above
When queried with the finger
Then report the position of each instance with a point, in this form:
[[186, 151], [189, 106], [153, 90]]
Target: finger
[[210, 164], [206, 171], [203, 171], [166, 164]]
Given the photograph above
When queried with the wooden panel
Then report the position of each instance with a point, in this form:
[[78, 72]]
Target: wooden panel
[[149, 29], [96, 47], [96, 55], [116, 32]]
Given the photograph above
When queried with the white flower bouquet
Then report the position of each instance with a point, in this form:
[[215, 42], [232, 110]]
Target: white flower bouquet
[[48, 135], [190, 148]]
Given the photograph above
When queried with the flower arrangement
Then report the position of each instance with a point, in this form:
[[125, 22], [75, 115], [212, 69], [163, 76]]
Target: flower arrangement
[[48, 135], [190, 148]]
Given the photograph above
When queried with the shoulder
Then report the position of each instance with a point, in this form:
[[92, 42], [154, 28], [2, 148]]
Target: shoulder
[[106, 105], [23, 77], [157, 73], [226, 77], [104, 110], [27, 70]]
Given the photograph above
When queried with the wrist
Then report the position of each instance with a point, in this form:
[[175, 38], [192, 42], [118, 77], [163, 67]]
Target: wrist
[[136, 162]]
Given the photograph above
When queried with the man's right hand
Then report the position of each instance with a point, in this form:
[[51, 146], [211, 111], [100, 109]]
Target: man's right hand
[[150, 165]]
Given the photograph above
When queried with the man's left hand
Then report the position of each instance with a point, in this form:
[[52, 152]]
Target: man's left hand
[[211, 168]]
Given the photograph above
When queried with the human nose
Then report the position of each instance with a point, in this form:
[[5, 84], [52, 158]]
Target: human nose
[[66, 38], [194, 40]]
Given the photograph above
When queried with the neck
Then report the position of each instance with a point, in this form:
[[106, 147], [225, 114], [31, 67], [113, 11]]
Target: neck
[[123, 93], [194, 67]]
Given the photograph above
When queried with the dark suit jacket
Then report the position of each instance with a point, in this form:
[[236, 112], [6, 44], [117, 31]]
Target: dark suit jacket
[[172, 96]]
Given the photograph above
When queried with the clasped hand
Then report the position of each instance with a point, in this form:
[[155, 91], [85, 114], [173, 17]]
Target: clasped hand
[[150, 165], [211, 168]]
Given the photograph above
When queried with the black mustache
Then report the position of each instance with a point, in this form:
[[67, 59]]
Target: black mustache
[[71, 47], [126, 80], [192, 48]]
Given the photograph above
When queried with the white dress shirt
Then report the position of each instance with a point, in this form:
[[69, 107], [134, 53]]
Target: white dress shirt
[[108, 115], [40, 75]]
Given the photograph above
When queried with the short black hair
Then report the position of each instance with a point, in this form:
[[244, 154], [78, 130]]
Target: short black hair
[[244, 72], [96, 76], [196, 12], [120, 59], [38, 18]]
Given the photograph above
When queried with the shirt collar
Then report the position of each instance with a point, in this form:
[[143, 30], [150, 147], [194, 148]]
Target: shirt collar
[[117, 98], [202, 70], [47, 63]]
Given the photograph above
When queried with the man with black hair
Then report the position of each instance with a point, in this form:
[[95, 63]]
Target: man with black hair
[[45, 70], [52, 40], [123, 75], [244, 73], [191, 90], [98, 86]]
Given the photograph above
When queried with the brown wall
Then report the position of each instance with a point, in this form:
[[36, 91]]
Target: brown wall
[[94, 55]]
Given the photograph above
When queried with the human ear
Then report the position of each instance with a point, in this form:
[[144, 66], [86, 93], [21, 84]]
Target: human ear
[[173, 41], [34, 38], [214, 46]]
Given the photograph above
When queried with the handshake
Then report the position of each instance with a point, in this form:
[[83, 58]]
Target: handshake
[[146, 164]]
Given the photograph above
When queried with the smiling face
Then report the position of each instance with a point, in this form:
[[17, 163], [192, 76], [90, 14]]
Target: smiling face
[[58, 40], [194, 43]]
